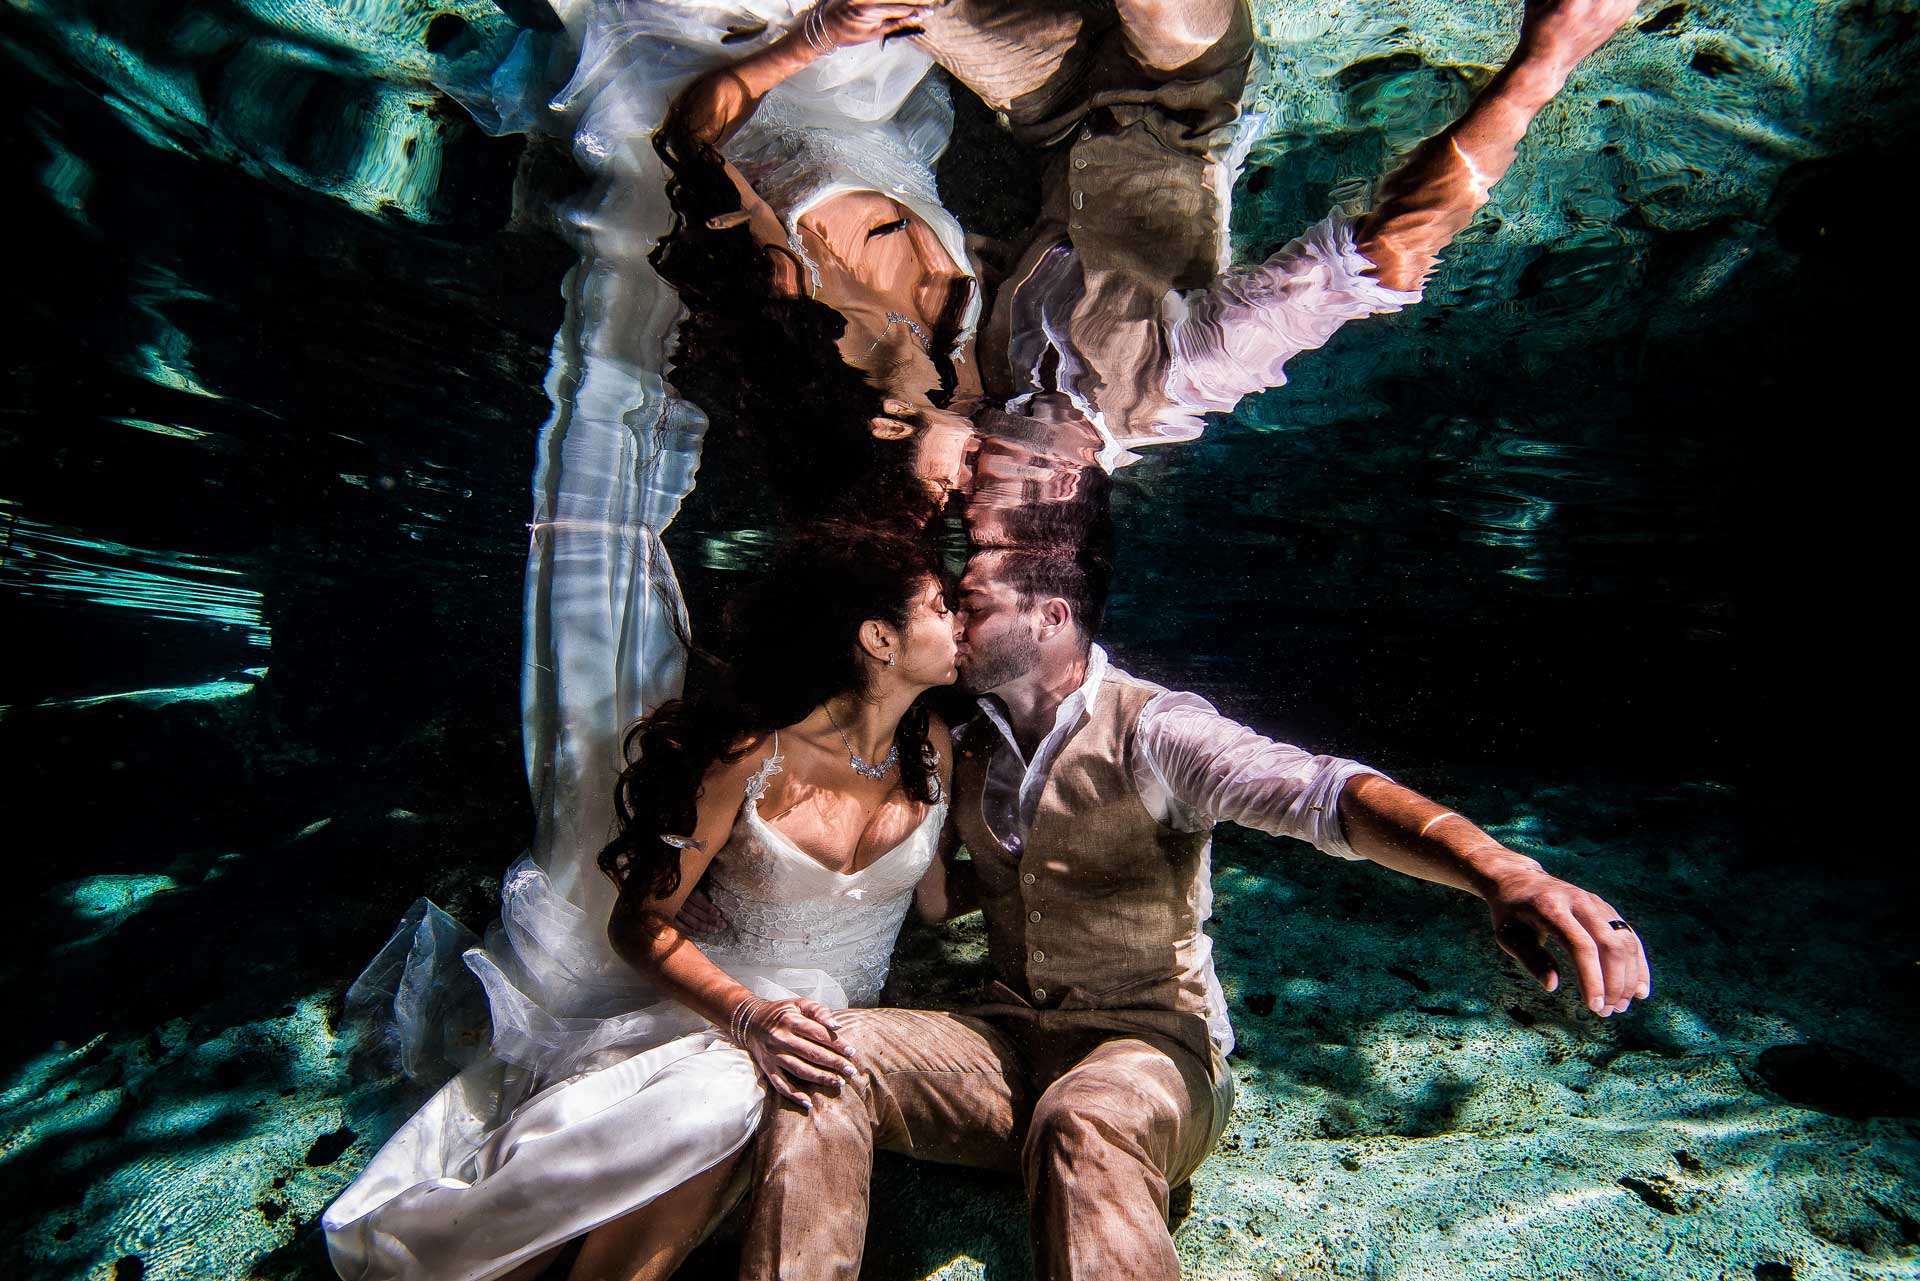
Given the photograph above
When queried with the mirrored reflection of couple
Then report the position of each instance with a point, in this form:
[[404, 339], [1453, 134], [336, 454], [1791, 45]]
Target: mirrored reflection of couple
[[769, 285]]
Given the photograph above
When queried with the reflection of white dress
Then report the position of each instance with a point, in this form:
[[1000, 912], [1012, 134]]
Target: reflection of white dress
[[506, 1162]]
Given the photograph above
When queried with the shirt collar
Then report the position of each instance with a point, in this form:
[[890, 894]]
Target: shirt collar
[[1072, 707]]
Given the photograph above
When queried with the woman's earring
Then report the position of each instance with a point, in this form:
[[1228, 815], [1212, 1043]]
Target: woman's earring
[[889, 660]]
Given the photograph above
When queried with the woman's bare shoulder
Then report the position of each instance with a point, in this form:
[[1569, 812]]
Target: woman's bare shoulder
[[744, 755]]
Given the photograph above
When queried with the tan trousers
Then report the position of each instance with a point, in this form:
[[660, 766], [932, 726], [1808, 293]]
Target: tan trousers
[[1100, 1121]]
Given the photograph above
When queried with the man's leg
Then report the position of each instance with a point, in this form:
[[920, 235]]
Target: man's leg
[[1169, 35], [1107, 1140], [940, 1087], [1009, 50]]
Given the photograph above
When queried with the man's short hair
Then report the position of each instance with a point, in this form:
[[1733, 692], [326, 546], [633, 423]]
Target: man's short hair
[[1078, 575]]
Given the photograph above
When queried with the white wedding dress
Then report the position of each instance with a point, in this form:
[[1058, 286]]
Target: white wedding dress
[[593, 1095], [508, 1161]]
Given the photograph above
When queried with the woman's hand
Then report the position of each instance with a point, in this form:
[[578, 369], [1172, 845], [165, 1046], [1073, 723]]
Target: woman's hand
[[851, 22], [796, 1045]]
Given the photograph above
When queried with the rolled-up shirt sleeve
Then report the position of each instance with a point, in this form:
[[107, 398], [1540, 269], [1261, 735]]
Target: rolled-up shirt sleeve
[[1215, 769], [1235, 336]]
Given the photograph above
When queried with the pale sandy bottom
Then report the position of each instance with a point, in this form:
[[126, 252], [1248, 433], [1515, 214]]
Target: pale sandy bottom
[[1411, 1105]]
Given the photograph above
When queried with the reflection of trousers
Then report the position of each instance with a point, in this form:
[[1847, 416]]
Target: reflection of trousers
[[1142, 93], [1044, 61], [1100, 1121]]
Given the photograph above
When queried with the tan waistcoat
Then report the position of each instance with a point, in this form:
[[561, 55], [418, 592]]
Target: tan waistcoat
[[1100, 909]]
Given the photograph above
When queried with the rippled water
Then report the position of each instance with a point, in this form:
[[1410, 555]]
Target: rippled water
[[1569, 544]]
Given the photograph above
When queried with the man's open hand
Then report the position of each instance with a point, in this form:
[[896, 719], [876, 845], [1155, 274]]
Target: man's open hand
[[1529, 907]]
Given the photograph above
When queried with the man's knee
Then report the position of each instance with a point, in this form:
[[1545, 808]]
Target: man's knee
[[1076, 1129]]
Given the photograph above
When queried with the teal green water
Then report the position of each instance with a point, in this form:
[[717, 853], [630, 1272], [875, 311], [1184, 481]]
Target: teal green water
[[1536, 547]]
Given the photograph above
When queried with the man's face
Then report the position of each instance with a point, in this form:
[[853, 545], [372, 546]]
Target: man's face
[[998, 643]]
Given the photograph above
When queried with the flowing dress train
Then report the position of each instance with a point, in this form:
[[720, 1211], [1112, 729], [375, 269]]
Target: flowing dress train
[[507, 1161]]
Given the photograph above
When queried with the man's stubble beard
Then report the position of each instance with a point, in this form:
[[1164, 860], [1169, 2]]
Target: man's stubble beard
[[1007, 659]]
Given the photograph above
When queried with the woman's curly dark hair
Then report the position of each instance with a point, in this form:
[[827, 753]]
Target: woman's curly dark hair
[[788, 420], [789, 644]]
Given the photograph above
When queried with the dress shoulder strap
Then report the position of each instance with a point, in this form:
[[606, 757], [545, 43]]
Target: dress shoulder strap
[[757, 781]]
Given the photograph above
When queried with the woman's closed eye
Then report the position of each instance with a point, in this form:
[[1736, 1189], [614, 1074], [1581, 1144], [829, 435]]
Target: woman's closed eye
[[888, 228]]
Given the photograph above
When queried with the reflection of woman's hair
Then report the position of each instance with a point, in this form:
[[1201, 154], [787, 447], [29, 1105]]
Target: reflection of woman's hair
[[788, 418], [791, 643]]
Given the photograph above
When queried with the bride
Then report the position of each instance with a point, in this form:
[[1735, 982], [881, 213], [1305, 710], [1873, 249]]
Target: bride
[[806, 780]]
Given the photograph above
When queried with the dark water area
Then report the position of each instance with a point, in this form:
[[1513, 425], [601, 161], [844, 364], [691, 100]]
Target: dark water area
[[1589, 543]]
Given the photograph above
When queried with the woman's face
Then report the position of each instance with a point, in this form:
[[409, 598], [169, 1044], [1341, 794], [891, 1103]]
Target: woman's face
[[931, 640]]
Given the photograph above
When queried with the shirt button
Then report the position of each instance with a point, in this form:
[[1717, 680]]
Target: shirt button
[[1026, 878], [1039, 955], [1039, 994], [1033, 916], [1013, 844]]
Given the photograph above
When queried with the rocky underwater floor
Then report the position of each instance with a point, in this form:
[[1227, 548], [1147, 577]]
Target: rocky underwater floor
[[1409, 1104]]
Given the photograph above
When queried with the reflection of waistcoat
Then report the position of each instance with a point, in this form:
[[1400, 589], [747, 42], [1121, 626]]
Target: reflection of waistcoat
[[1101, 907]]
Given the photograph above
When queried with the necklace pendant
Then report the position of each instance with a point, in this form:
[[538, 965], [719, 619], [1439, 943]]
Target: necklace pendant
[[865, 770]]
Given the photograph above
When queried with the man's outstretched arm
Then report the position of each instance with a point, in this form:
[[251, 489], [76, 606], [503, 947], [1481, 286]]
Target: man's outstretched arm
[[1397, 827], [1425, 203], [1221, 771]]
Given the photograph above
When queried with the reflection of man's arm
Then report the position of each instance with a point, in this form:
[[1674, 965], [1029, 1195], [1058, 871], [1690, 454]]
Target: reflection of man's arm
[[1236, 336], [1426, 201]]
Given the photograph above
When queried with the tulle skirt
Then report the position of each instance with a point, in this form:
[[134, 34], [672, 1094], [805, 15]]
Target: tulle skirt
[[594, 1096]]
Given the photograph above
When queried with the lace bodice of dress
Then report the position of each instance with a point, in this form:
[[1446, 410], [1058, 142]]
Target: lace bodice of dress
[[785, 908]]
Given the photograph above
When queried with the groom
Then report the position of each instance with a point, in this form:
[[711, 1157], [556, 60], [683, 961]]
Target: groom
[[1096, 1067]]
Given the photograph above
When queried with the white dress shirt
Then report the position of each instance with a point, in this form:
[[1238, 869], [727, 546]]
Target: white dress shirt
[[1226, 340], [1193, 768]]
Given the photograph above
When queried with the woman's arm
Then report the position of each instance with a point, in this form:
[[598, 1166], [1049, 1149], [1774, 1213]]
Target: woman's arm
[[713, 108], [794, 1043], [948, 889]]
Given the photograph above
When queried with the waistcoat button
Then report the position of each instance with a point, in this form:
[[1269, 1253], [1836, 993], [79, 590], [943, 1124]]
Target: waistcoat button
[[1039, 955], [1026, 878], [1039, 994], [1033, 916]]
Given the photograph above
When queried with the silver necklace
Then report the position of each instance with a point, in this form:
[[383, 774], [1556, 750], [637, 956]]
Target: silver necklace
[[854, 758], [895, 318]]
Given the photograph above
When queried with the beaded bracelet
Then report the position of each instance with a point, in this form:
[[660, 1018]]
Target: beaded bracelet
[[742, 1019], [814, 25]]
